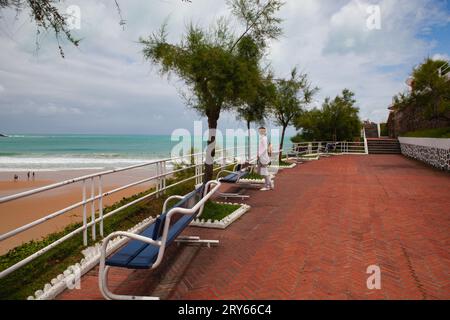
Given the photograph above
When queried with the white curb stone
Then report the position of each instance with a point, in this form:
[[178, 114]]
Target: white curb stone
[[91, 259], [225, 222]]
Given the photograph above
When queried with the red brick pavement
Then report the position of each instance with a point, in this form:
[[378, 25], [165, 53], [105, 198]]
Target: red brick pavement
[[314, 237]]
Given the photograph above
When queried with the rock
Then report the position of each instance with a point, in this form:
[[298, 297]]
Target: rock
[[38, 293]]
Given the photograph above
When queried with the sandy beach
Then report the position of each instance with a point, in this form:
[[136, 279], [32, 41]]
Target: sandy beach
[[22, 211]]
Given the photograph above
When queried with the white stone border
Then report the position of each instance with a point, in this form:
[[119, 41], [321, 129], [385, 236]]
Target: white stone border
[[309, 158], [225, 222], [427, 142], [252, 181], [291, 166], [91, 259]]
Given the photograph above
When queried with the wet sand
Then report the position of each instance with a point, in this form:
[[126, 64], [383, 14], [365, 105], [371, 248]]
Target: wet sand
[[22, 211]]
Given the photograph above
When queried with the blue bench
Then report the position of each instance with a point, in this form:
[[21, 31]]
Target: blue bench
[[234, 177], [146, 249]]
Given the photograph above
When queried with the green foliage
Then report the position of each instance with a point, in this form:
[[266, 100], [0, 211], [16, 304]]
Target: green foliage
[[46, 17], [384, 130], [256, 108], [259, 19], [298, 138], [430, 94], [220, 70], [217, 211], [443, 133], [338, 120], [292, 95]]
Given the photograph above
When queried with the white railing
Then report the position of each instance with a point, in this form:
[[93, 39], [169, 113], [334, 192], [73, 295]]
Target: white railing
[[318, 148], [223, 158]]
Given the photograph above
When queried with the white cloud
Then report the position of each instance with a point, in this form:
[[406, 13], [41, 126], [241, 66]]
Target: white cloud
[[108, 85], [441, 56], [52, 110]]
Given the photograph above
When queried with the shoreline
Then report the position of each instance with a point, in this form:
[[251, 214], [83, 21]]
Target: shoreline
[[22, 211]]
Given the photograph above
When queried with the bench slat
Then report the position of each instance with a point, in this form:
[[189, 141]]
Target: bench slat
[[148, 256], [234, 177], [139, 255]]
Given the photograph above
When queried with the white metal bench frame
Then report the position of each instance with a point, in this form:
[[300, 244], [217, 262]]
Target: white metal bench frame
[[104, 270], [243, 185]]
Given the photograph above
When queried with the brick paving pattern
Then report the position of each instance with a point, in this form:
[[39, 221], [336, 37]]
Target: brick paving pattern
[[314, 237]]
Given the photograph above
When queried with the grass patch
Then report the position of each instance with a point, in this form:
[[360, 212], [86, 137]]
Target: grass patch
[[33, 276], [254, 176], [218, 211], [443, 133], [284, 164]]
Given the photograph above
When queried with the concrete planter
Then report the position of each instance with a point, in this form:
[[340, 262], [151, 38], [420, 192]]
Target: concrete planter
[[291, 166], [435, 152], [225, 222], [73, 274]]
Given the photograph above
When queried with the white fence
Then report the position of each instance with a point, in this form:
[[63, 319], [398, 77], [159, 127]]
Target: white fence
[[92, 203], [92, 194], [318, 148]]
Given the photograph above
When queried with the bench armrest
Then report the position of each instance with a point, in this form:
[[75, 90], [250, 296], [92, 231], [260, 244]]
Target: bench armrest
[[130, 235], [102, 264], [224, 171], [168, 199]]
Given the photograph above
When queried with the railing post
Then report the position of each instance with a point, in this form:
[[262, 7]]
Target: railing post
[[163, 167], [366, 146], [93, 208], [84, 215], [200, 169], [100, 204], [158, 183]]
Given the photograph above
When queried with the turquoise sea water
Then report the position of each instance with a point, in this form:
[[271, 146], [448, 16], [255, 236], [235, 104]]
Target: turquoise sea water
[[70, 152], [58, 152]]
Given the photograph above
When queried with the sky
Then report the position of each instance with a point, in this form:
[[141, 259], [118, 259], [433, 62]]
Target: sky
[[106, 87]]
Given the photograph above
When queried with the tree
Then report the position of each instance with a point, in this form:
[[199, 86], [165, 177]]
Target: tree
[[429, 97], [431, 91], [219, 69], [291, 96], [46, 16], [338, 120], [255, 110]]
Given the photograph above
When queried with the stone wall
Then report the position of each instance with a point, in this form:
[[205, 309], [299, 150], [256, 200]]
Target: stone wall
[[402, 121], [435, 152]]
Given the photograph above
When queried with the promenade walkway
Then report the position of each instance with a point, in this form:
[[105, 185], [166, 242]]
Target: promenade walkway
[[314, 237]]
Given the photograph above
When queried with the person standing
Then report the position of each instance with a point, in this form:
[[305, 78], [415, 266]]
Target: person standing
[[28, 175], [264, 159]]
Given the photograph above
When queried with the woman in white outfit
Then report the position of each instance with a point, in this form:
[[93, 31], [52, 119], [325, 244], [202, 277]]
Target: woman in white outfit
[[264, 159]]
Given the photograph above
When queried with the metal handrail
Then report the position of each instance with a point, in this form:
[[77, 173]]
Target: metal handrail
[[161, 186]]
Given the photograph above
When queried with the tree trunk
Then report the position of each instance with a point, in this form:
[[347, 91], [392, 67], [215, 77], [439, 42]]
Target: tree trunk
[[283, 132], [211, 148], [249, 156]]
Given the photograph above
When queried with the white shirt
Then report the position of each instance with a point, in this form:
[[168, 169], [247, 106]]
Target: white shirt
[[263, 151]]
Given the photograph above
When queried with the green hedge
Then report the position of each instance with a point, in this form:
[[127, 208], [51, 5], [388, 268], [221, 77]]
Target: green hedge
[[429, 133]]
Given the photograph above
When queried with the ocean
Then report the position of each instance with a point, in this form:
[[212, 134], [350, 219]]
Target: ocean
[[24, 152], [75, 152]]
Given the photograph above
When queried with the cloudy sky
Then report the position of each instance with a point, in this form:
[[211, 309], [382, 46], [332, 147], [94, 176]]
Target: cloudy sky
[[105, 86]]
